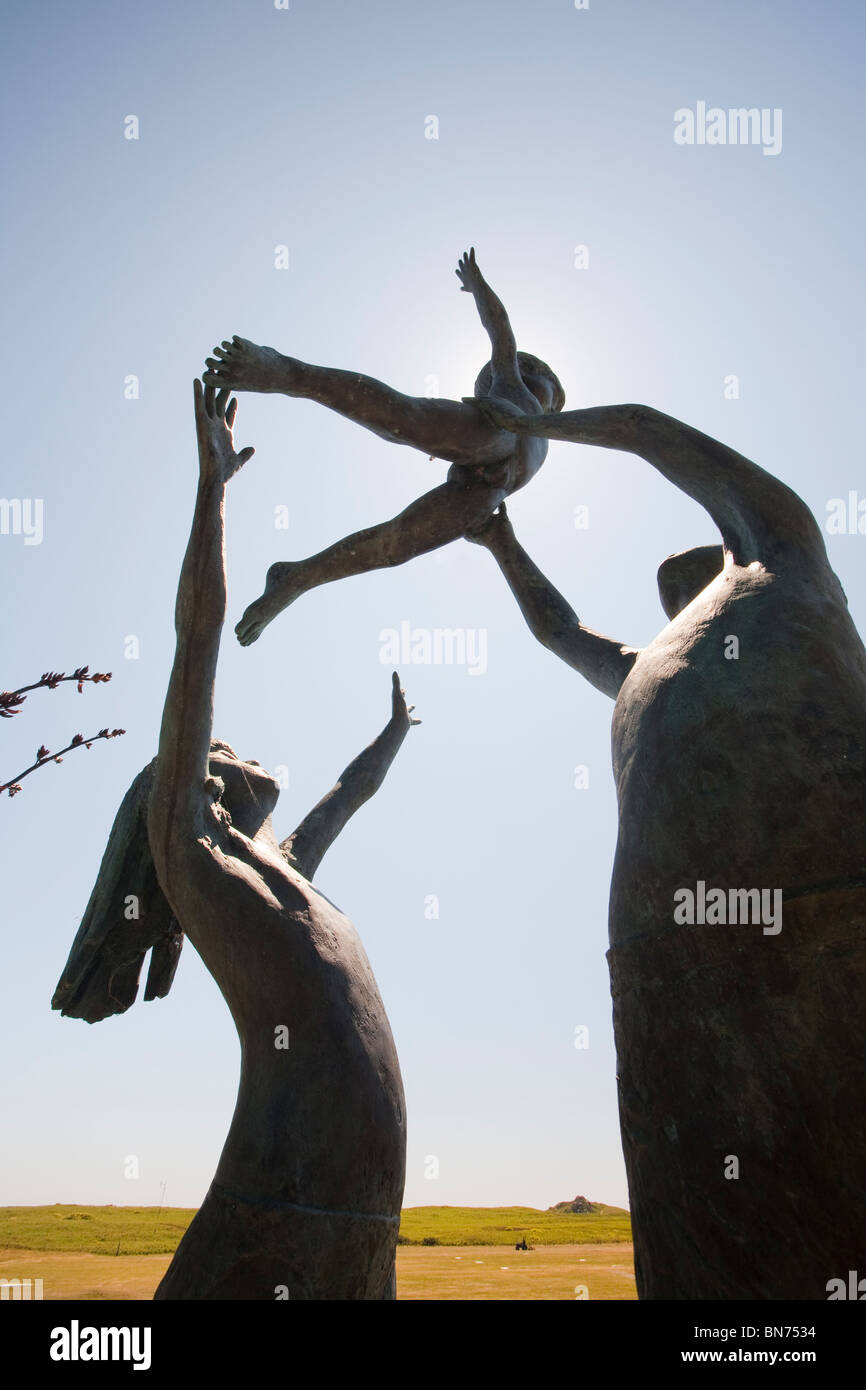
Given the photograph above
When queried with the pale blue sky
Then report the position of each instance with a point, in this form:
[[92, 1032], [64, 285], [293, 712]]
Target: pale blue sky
[[306, 127]]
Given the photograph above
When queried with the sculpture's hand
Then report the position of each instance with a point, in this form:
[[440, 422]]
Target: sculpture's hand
[[493, 531], [401, 714], [214, 418], [467, 272]]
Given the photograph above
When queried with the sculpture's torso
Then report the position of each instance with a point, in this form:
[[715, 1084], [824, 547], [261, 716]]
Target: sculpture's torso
[[740, 1065], [743, 771], [314, 1162]]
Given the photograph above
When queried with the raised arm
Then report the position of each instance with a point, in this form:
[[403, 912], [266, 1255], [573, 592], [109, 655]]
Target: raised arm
[[603, 662], [760, 518], [306, 846], [181, 789], [492, 313]]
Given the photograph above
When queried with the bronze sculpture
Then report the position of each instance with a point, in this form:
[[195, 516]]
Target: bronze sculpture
[[305, 1203], [740, 764], [487, 464]]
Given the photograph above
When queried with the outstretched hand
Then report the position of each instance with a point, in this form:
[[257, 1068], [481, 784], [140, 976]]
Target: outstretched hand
[[495, 529], [401, 713], [214, 420], [467, 272]]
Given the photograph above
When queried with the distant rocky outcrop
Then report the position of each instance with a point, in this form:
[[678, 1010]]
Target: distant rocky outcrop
[[580, 1205]]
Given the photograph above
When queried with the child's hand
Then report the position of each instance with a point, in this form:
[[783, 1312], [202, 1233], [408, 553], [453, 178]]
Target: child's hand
[[468, 273], [401, 714], [491, 532], [216, 454]]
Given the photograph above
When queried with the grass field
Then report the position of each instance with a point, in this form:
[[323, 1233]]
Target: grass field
[[123, 1252], [444, 1272], [506, 1225], [151, 1231], [429, 1274], [95, 1230]]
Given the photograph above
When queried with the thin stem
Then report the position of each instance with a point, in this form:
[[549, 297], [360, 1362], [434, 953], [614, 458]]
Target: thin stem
[[9, 699], [79, 741]]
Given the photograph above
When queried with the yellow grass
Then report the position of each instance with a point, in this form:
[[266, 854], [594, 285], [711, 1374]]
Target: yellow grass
[[498, 1272], [65, 1274], [428, 1273]]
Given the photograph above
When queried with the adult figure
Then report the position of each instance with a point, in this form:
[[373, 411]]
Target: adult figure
[[306, 1199], [740, 764]]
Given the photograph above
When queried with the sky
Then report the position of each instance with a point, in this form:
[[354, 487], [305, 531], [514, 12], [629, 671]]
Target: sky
[[368, 147]]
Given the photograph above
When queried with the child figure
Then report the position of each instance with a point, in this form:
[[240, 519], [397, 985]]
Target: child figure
[[487, 464]]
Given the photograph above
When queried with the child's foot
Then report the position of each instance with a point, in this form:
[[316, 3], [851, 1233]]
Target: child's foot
[[282, 587], [240, 365]]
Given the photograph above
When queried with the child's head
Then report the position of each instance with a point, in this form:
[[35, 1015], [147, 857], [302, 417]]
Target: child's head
[[537, 377]]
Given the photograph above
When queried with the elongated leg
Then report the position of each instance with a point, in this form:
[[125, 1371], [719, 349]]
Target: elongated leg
[[435, 519]]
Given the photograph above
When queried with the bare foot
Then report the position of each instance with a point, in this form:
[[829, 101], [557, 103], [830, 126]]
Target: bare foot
[[282, 587], [241, 365]]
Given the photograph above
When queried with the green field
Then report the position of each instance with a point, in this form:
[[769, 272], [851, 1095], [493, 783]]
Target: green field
[[149, 1231], [506, 1226], [94, 1230]]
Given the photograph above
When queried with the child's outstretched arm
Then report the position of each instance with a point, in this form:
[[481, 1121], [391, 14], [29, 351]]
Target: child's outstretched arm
[[602, 661], [492, 313], [307, 845]]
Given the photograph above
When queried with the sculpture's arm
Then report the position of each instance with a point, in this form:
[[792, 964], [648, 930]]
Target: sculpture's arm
[[307, 845], [492, 313], [760, 518], [181, 789], [604, 662]]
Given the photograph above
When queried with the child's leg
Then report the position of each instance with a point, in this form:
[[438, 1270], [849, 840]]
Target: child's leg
[[438, 517], [448, 430]]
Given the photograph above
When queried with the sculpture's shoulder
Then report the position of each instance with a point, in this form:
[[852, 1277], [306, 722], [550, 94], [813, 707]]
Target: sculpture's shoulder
[[752, 640]]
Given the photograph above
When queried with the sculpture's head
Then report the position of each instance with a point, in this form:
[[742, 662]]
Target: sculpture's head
[[537, 377], [244, 789], [682, 577]]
